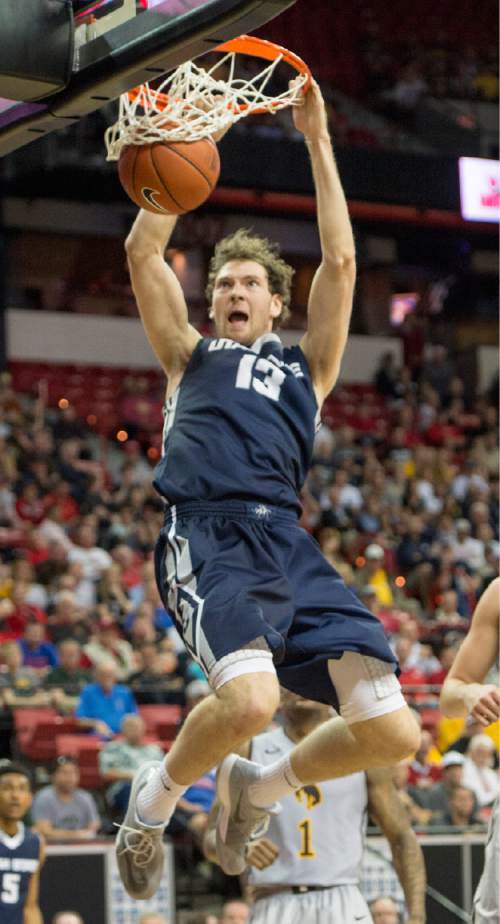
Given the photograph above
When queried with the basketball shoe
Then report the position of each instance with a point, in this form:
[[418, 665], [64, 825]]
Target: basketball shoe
[[139, 847], [238, 820]]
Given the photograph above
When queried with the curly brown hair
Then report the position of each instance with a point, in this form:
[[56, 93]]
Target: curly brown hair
[[245, 246]]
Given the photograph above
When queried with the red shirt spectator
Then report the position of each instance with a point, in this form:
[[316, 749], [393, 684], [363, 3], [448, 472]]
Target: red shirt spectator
[[30, 506]]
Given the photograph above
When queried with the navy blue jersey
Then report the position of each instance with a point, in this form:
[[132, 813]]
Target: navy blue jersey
[[240, 426], [19, 860]]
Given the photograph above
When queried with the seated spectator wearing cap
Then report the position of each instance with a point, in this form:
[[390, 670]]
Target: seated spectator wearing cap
[[384, 910], [106, 645], [37, 653], [66, 681], [119, 760], [375, 574], [436, 797], [478, 774], [461, 809], [63, 811], [104, 704], [157, 682]]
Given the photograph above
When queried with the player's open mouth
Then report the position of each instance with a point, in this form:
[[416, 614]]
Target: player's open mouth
[[237, 317]]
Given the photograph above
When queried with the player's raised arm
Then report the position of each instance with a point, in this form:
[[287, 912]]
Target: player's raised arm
[[159, 296], [463, 691], [390, 815], [330, 299]]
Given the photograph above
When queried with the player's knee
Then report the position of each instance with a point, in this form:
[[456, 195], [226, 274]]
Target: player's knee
[[401, 736], [392, 736], [253, 703]]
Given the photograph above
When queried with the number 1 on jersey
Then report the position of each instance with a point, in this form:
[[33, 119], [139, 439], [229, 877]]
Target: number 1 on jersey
[[306, 851]]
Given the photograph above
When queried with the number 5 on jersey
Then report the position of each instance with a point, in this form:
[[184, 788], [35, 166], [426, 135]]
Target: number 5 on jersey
[[268, 385], [9, 891]]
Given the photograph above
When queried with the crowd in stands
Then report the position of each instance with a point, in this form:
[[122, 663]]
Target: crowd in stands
[[403, 500]]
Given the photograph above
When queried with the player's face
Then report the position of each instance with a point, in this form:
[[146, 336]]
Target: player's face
[[242, 307], [15, 796]]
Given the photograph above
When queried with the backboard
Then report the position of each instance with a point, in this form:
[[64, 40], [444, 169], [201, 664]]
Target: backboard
[[122, 43]]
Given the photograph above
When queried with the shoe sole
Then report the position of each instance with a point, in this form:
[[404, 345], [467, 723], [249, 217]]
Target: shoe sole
[[224, 794]]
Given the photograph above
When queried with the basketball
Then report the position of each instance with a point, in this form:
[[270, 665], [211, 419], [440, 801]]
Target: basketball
[[169, 177]]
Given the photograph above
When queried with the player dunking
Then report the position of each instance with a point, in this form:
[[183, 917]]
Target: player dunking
[[251, 593], [465, 693], [21, 852], [306, 868]]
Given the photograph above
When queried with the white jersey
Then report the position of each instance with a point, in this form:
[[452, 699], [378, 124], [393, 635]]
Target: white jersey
[[320, 831], [487, 899]]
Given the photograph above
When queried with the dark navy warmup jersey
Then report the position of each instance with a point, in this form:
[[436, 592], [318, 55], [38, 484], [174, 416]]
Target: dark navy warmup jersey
[[19, 860], [240, 426]]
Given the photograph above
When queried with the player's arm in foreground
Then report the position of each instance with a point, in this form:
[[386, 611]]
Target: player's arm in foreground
[[330, 299], [391, 817], [158, 293], [31, 911], [463, 692]]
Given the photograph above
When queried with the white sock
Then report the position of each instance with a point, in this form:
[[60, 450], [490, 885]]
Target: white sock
[[277, 780], [157, 799]]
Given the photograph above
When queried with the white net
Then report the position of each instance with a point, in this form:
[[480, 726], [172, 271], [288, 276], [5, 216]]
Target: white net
[[194, 103]]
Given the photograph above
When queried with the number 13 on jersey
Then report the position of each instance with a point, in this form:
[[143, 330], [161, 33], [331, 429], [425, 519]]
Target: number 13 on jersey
[[268, 385]]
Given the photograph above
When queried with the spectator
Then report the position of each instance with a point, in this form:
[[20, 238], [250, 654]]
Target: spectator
[[66, 681], [38, 654], [417, 814], [465, 548], [374, 573], [384, 910], [119, 760], [478, 774], [461, 809], [68, 620], [67, 917], [103, 704], [235, 912], [106, 646], [62, 811], [425, 768], [157, 680], [93, 559], [410, 676], [15, 617], [436, 797], [19, 686]]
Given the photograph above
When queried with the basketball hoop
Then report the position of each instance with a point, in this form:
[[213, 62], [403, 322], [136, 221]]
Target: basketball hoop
[[193, 103]]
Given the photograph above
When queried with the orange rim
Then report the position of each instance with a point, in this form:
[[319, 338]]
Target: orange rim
[[256, 48]]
